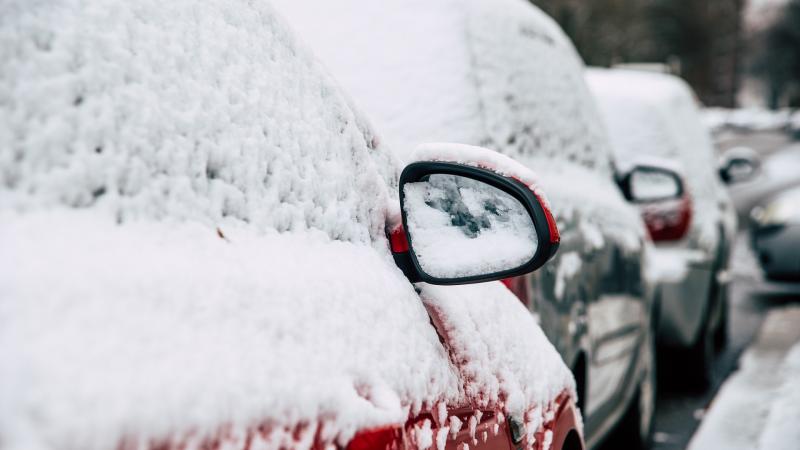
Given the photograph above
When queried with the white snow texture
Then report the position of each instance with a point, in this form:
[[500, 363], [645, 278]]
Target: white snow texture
[[192, 229]]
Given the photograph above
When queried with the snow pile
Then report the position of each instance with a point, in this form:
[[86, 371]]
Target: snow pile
[[757, 406], [497, 364], [209, 113], [488, 229], [655, 114]]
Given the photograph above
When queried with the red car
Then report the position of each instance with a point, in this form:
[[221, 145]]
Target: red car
[[205, 246]]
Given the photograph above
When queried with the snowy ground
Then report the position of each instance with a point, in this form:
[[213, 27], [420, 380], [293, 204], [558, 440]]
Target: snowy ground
[[759, 406]]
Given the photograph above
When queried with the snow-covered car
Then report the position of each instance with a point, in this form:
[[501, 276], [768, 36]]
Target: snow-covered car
[[503, 75], [775, 235], [199, 235], [655, 115]]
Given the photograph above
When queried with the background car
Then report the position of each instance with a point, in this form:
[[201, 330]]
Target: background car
[[504, 76], [194, 223], [775, 235], [652, 114]]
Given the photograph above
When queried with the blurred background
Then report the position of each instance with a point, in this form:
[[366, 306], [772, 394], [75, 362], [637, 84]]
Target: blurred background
[[742, 58], [734, 53]]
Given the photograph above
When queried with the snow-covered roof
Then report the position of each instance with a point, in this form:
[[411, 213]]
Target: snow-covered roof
[[496, 73], [192, 223]]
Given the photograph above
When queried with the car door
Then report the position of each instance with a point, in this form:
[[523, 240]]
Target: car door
[[591, 299]]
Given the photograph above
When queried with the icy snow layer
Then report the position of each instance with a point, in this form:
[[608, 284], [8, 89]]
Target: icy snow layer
[[498, 364], [489, 230], [200, 111], [496, 73], [147, 329], [655, 114]]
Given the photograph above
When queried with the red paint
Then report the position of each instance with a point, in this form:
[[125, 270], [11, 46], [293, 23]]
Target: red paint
[[520, 287], [384, 438], [564, 422], [668, 220], [398, 240], [555, 236]]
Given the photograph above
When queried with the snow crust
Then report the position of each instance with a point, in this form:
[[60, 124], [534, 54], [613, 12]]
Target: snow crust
[[655, 114], [461, 227]]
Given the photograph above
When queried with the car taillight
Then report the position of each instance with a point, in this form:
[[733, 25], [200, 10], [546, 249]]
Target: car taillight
[[385, 438], [668, 220]]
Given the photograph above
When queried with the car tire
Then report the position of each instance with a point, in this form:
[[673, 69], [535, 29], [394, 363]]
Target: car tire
[[635, 429]]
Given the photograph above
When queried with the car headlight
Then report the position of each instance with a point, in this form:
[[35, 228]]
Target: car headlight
[[785, 209]]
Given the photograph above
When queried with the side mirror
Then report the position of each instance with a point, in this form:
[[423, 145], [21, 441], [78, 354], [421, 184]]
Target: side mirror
[[665, 206], [651, 184], [465, 224], [738, 164]]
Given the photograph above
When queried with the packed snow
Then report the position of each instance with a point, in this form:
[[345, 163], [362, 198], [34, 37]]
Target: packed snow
[[488, 229], [192, 222]]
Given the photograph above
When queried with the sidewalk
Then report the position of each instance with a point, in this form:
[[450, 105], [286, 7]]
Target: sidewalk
[[759, 406]]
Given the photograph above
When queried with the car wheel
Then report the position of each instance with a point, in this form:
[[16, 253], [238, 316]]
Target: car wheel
[[635, 430]]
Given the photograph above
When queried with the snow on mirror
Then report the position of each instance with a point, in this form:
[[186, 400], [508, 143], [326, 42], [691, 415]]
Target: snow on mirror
[[460, 227], [652, 185]]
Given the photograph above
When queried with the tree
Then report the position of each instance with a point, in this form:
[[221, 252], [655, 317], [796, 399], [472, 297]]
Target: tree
[[779, 61]]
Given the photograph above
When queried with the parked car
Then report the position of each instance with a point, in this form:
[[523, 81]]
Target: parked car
[[775, 235], [193, 223], [655, 115], [503, 75]]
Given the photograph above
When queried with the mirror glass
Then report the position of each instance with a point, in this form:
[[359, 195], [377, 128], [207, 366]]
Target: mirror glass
[[653, 185], [740, 170], [461, 227]]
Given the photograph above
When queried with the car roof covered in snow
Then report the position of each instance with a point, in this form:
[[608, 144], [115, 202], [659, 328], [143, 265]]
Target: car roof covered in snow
[[192, 223], [500, 74]]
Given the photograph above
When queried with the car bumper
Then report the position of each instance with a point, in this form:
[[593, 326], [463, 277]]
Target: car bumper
[[778, 250]]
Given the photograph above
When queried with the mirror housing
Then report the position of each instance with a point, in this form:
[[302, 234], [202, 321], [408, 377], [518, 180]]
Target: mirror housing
[[738, 164], [651, 184], [667, 215], [532, 205]]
